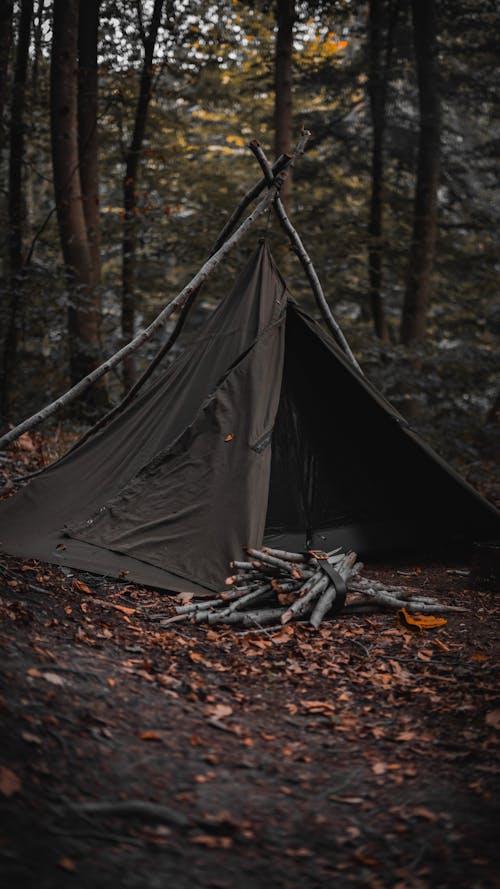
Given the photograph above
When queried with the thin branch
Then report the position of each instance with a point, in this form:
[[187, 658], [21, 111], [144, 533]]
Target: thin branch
[[250, 196], [305, 259]]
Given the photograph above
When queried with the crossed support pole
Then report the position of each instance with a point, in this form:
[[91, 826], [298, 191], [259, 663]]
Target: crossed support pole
[[231, 234]]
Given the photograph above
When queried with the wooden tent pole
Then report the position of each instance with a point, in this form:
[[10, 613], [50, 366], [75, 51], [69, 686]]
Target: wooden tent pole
[[178, 301], [304, 257]]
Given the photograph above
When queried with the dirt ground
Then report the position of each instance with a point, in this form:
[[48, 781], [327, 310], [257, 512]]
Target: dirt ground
[[362, 754]]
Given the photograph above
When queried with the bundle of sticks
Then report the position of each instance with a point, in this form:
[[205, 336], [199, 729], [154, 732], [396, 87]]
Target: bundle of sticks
[[274, 587]]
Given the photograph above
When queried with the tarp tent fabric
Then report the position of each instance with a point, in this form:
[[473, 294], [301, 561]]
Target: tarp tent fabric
[[260, 430]]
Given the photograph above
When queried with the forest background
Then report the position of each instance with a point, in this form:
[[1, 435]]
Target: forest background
[[123, 137]]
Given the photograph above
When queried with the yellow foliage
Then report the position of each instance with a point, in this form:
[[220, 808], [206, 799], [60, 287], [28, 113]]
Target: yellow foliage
[[236, 140]]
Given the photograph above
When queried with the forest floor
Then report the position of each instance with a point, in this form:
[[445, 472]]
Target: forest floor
[[363, 754]]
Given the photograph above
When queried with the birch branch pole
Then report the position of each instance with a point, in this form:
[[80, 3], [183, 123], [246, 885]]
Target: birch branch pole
[[304, 258], [177, 302]]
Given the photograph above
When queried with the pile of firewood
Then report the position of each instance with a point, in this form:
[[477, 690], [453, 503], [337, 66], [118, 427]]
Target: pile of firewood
[[276, 587]]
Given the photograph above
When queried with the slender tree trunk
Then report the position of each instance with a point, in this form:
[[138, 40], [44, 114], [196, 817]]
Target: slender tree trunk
[[87, 128], [83, 321], [377, 90], [130, 185], [16, 202], [418, 285], [88, 154], [6, 9], [285, 18]]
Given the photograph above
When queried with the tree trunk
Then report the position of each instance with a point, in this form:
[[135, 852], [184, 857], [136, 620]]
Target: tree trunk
[[423, 243], [87, 128], [130, 187], [6, 9], [285, 18], [16, 202], [377, 91], [83, 320]]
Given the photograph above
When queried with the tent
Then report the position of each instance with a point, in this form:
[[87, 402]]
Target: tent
[[261, 430]]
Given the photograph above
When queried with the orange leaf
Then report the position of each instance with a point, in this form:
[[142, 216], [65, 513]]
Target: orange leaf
[[212, 842], [229, 437], [318, 707], [195, 657], [420, 621], [124, 609], [81, 587], [284, 635], [150, 736], [406, 736]]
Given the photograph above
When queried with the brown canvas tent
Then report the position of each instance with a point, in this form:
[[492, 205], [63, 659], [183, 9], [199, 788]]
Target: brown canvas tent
[[261, 430]]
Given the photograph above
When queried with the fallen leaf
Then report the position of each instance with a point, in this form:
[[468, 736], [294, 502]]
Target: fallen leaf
[[150, 736], [219, 711], [204, 778], [81, 587], [212, 842], [34, 671], [184, 598], [25, 442], [493, 718], [229, 437], [124, 608], [422, 812], [67, 864], [420, 621], [348, 800], [284, 635], [30, 739], [54, 678], [9, 782], [318, 707]]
